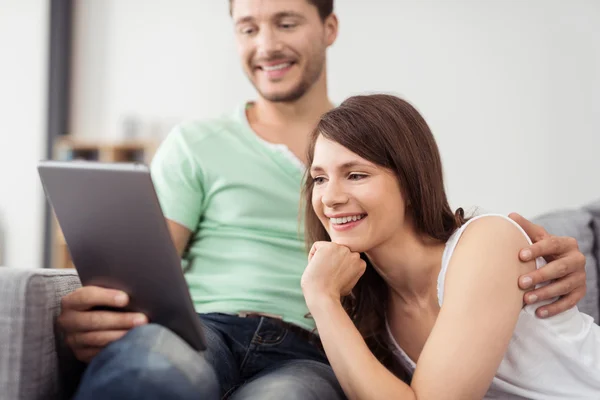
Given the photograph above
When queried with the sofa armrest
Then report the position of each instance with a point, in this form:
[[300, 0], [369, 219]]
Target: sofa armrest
[[34, 361]]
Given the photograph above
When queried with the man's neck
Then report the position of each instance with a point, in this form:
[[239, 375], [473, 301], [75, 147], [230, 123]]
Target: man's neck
[[299, 113], [304, 112], [290, 123]]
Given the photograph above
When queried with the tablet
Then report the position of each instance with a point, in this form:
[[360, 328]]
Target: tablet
[[118, 238]]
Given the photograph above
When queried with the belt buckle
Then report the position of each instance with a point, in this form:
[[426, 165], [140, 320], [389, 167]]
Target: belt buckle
[[246, 314]]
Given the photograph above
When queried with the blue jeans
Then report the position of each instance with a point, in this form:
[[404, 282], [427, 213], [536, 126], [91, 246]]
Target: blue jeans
[[247, 358]]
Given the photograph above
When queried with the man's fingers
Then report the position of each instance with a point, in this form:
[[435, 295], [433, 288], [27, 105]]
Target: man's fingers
[[558, 288], [95, 339], [88, 321], [561, 305], [548, 247], [88, 297], [86, 355], [534, 231], [555, 269]]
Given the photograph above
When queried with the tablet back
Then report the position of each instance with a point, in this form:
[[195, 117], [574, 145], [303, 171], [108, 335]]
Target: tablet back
[[118, 238]]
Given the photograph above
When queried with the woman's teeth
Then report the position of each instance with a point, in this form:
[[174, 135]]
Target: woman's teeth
[[344, 220]]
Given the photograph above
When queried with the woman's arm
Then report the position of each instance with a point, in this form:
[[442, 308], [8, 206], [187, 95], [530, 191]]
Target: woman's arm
[[332, 272], [471, 334], [480, 309], [359, 373]]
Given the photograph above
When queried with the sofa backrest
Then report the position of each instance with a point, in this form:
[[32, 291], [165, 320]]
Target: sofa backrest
[[594, 209]]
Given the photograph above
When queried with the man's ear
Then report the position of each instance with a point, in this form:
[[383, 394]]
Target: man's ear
[[331, 29]]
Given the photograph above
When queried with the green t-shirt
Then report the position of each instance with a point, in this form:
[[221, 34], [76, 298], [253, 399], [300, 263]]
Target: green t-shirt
[[241, 199]]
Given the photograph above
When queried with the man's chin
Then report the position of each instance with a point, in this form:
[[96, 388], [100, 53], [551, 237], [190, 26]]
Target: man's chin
[[283, 96]]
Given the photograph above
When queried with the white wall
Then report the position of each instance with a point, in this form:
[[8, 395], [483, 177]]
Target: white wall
[[510, 88], [157, 60], [23, 83]]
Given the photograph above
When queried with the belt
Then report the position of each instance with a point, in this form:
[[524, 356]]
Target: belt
[[278, 320]]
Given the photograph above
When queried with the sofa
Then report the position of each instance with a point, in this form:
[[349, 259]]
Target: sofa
[[36, 364]]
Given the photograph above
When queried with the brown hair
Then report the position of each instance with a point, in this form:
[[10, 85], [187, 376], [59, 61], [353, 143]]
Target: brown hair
[[325, 7], [390, 133]]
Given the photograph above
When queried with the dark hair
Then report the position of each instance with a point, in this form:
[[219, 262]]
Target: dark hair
[[325, 7], [390, 133]]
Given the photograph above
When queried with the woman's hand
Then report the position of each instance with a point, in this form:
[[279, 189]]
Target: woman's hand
[[566, 268], [332, 271]]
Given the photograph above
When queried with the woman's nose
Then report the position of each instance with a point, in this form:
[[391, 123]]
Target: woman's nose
[[334, 195]]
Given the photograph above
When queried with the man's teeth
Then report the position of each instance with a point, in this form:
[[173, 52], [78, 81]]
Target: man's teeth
[[344, 220], [269, 68]]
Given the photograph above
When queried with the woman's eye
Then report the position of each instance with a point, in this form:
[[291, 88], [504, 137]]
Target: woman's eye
[[318, 180], [356, 177], [287, 26]]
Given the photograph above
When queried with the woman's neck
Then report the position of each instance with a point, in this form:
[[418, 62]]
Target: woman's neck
[[410, 265]]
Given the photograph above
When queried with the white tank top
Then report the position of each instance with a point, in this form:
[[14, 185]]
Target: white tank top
[[555, 358]]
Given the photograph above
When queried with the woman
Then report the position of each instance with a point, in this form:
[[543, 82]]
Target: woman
[[424, 291]]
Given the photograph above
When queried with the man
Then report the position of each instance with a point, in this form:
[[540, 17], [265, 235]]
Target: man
[[230, 190]]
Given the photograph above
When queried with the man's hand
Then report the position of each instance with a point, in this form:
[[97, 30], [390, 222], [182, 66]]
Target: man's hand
[[566, 265], [88, 331]]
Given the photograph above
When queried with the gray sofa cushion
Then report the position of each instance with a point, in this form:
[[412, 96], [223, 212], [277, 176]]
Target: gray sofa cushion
[[594, 209], [34, 358], [579, 225]]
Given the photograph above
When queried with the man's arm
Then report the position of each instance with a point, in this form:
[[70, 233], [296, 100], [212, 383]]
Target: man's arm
[[180, 235]]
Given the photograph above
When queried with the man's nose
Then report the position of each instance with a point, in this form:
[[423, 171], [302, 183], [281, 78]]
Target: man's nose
[[268, 42]]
